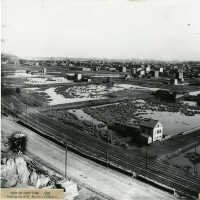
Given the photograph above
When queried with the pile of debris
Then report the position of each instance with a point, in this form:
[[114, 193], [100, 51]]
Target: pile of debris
[[16, 171], [21, 172]]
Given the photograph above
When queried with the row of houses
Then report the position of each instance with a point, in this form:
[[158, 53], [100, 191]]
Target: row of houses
[[141, 71], [43, 71], [98, 68]]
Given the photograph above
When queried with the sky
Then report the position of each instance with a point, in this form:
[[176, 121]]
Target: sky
[[122, 29]]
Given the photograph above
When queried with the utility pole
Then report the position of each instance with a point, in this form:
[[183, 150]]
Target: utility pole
[[66, 161], [174, 193], [195, 170], [106, 158], [146, 159], [149, 159]]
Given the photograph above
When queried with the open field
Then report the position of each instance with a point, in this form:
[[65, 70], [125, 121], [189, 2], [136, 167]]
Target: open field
[[173, 116]]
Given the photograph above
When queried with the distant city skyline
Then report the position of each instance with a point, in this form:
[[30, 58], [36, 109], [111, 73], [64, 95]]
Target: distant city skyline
[[111, 29]]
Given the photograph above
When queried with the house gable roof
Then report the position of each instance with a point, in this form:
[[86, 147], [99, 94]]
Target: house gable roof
[[148, 123]]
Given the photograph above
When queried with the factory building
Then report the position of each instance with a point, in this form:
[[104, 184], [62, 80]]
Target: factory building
[[161, 70], [78, 77], [75, 68], [180, 75], [156, 74], [122, 69], [148, 68], [44, 70], [97, 68], [141, 73], [133, 71]]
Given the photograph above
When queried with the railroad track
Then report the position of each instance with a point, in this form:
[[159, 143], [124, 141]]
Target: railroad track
[[156, 171], [141, 158], [82, 104], [95, 149]]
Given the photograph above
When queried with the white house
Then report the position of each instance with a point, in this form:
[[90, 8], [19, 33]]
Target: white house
[[148, 69], [144, 130], [78, 76], [161, 69], [122, 69], [141, 73], [152, 128]]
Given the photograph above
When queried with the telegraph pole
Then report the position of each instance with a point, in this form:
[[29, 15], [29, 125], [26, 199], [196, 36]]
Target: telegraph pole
[[146, 159], [195, 148], [106, 158], [66, 161]]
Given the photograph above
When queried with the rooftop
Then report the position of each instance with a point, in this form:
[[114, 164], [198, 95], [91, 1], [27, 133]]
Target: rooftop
[[149, 123], [146, 122]]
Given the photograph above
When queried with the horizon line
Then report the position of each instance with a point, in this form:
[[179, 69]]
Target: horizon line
[[101, 58]]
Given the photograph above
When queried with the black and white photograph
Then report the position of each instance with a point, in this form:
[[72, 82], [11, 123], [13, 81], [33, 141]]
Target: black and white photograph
[[101, 98]]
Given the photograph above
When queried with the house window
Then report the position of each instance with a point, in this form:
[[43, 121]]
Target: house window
[[159, 131]]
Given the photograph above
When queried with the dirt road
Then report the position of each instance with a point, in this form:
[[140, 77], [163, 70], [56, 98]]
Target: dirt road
[[97, 177]]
